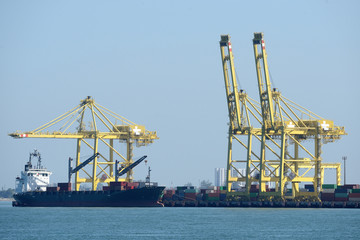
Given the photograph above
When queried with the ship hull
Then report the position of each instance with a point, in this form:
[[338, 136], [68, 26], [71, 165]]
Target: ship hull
[[139, 197]]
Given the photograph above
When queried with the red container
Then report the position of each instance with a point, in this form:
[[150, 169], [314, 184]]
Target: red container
[[327, 197], [354, 195], [213, 194], [169, 192], [133, 184], [190, 196]]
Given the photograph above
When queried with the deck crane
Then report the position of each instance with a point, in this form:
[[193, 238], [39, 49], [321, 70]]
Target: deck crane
[[122, 171], [91, 121], [282, 124]]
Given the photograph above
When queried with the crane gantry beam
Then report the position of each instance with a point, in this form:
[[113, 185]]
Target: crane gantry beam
[[102, 130]]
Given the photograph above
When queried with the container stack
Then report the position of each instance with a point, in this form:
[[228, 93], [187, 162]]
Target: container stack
[[354, 196], [132, 185], [345, 192], [341, 194], [254, 192], [328, 192], [118, 186], [168, 194], [190, 194], [180, 193]]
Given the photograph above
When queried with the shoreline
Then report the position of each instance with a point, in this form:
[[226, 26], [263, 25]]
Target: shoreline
[[6, 199]]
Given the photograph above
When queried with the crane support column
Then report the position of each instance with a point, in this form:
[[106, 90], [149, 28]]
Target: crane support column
[[95, 164], [129, 160], [77, 182]]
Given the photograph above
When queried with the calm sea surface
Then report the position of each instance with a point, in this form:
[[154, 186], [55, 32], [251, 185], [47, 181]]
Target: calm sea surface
[[177, 223]]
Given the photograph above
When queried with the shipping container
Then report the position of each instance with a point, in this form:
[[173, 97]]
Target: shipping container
[[342, 190], [52, 189], [190, 190], [212, 199], [350, 186], [343, 199], [327, 196], [354, 195], [190, 196], [222, 196], [329, 186], [253, 194], [133, 184], [117, 188], [341, 195], [354, 199], [118, 184], [328, 190]]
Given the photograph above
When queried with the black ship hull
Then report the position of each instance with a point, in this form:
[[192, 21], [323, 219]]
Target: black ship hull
[[139, 197]]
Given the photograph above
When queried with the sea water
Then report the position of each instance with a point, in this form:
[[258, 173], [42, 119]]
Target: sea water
[[177, 223]]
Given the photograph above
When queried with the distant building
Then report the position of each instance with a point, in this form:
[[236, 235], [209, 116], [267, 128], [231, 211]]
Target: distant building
[[234, 173], [219, 177]]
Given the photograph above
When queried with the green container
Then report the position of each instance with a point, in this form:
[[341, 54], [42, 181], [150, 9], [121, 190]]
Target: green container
[[253, 194], [329, 186], [213, 198], [190, 190], [355, 190], [341, 195]]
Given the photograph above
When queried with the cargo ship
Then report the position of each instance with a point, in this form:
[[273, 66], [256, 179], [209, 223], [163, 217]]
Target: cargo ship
[[33, 190]]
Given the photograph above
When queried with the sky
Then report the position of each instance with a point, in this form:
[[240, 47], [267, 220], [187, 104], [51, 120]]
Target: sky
[[158, 64]]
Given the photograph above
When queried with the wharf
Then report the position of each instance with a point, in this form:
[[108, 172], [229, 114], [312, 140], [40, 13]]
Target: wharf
[[259, 204]]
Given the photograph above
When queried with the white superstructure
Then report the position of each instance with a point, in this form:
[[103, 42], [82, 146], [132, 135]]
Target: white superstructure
[[33, 178]]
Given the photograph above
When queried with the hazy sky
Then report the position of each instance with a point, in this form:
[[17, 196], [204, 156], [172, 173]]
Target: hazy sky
[[157, 63]]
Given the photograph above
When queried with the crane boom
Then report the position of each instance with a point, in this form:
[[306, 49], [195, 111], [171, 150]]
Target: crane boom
[[231, 86], [83, 164], [122, 171], [264, 85]]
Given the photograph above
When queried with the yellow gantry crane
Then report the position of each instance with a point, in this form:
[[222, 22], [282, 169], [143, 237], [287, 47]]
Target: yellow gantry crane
[[278, 124], [92, 122]]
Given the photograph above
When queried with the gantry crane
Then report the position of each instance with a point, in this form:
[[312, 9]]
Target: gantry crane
[[284, 120], [241, 109], [103, 132], [279, 123]]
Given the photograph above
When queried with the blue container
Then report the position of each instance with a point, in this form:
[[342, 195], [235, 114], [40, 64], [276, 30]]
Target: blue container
[[341, 190]]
